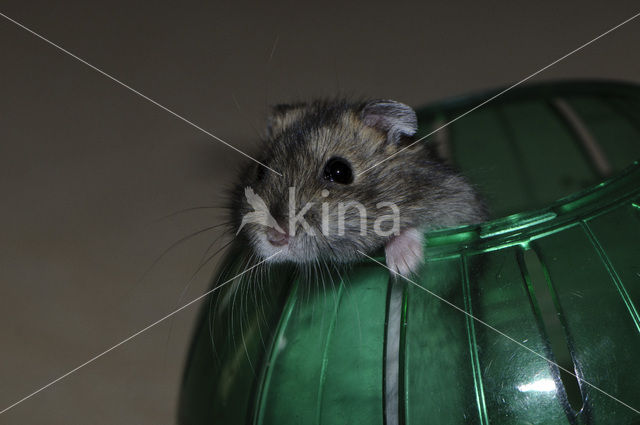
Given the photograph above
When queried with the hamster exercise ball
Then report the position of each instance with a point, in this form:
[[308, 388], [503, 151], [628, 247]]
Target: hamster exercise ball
[[532, 318]]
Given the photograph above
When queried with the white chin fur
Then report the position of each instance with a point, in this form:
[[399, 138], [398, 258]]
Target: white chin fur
[[264, 249]]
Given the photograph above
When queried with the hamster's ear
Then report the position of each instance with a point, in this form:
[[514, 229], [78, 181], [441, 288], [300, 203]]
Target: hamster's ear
[[394, 118], [282, 116]]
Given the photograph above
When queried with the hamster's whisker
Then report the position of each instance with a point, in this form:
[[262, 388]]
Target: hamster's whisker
[[250, 285], [256, 284], [335, 255], [246, 118], [333, 283], [212, 309], [344, 282], [264, 279], [202, 263], [314, 284], [191, 209], [235, 287], [321, 268], [324, 289], [256, 289], [174, 245], [323, 264], [273, 49], [308, 279], [331, 280], [240, 288], [244, 292], [132, 336], [215, 241]]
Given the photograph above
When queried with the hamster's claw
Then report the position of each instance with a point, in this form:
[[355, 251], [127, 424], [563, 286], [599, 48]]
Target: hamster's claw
[[404, 252]]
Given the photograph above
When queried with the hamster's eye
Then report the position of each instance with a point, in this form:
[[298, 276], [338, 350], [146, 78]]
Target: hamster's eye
[[338, 170]]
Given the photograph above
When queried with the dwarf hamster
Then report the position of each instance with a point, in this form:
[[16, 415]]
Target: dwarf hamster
[[350, 182]]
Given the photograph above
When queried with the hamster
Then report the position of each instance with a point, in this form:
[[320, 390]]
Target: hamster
[[351, 182]]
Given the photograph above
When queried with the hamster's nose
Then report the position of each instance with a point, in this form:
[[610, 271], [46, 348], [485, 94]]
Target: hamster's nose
[[277, 238]]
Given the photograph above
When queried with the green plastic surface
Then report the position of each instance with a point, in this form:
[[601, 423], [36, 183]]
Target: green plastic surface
[[352, 346], [523, 152]]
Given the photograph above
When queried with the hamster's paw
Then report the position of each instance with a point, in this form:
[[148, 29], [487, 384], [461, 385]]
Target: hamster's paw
[[404, 252]]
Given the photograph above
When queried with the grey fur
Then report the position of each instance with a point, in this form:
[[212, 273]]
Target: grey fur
[[303, 137]]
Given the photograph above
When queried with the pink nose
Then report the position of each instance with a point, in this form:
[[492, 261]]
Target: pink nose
[[277, 238]]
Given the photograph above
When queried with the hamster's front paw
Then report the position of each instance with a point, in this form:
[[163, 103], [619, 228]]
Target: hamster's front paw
[[404, 252]]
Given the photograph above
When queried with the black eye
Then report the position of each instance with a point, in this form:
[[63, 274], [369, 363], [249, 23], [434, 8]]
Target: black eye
[[338, 170]]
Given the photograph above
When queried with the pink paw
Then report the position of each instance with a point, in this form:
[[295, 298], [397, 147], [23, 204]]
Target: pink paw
[[404, 252]]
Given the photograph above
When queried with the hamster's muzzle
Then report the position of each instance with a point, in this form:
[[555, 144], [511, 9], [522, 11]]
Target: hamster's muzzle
[[277, 238]]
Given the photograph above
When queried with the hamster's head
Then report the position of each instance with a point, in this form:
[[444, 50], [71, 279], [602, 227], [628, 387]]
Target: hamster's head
[[346, 183]]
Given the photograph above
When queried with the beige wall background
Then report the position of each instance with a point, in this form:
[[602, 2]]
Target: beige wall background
[[87, 168]]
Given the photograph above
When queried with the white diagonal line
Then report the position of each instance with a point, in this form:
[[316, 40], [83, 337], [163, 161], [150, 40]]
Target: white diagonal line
[[501, 333], [577, 49], [124, 341], [175, 114]]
